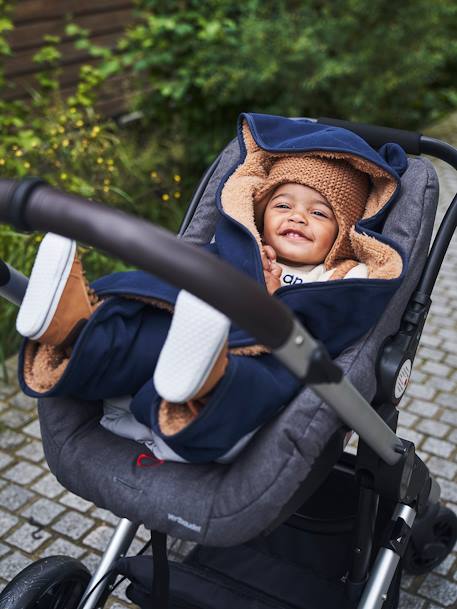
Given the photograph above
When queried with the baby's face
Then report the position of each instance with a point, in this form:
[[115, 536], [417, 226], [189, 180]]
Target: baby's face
[[299, 224]]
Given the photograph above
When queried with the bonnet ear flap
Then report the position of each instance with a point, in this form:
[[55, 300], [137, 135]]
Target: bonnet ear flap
[[395, 156]]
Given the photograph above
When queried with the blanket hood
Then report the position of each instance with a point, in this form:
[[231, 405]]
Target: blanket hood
[[265, 139]]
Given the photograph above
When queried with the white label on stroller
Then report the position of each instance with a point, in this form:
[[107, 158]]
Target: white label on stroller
[[403, 378], [184, 523]]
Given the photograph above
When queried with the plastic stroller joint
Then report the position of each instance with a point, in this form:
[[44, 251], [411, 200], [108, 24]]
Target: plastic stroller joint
[[19, 200], [322, 369], [397, 356]]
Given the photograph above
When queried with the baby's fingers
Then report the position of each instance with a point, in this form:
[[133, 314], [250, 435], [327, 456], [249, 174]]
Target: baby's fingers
[[270, 253]]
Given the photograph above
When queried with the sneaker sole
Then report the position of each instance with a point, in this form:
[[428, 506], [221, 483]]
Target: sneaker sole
[[197, 334], [47, 281]]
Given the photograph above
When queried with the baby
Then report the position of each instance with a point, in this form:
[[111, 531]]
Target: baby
[[303, 210]]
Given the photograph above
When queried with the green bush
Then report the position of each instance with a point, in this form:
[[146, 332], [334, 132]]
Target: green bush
[[66, 143], [201, 63]]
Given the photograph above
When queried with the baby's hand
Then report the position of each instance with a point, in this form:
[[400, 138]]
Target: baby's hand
[[271, 269]]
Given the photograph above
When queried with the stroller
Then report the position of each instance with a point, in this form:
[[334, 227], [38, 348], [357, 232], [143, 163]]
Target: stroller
[[294, 522]]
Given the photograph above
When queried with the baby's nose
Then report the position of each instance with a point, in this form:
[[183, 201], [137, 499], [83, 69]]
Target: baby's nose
[[299, 218]]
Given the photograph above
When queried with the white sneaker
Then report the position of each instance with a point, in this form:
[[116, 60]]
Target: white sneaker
[[196, 337]]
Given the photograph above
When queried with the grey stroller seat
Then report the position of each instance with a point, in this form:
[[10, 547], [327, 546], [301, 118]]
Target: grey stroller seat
[[228, 504]]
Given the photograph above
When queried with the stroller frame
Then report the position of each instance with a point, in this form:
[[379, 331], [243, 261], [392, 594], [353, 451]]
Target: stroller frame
[[385, 466]]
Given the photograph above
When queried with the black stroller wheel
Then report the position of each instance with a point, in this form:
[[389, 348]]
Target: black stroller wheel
[[434, 539], [57, 582]]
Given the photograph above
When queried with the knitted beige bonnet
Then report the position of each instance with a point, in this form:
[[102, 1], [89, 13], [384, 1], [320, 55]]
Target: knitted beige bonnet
[[345, 188]]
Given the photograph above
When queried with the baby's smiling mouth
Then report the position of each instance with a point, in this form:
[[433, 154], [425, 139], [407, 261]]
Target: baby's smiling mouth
[[291, 233]]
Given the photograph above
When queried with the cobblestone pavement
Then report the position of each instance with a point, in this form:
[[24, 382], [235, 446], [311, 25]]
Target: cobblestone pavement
[[29, 493]]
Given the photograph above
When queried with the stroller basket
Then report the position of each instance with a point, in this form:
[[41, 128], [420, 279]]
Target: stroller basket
[[294, 522]]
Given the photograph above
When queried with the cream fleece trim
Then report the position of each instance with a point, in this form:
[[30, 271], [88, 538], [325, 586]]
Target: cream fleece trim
[[237, 198]]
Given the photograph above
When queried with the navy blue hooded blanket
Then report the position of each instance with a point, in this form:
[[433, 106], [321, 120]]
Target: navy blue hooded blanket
[[336, 312]]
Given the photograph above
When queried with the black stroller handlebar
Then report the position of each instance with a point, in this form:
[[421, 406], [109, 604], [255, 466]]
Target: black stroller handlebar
[[156, 250]]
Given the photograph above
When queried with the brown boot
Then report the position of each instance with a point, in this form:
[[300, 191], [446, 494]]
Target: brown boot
[[174, 417], [58, 300], [76, 305]]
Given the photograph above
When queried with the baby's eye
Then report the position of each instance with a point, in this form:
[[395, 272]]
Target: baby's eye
[[282, 205], [318, 212]]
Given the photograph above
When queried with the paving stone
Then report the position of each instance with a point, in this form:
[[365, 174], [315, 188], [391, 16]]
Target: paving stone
[[453, 437], [442, 467], [73, 525], [423, 392], [448, 489], [105, 516], [423, 409], [442, 384], [410, 434], [98, 539], [5, 460], [13, 497], [447, 399], [28, 538], [450, 416], [24, 402], [408, 601], [62, 547], [10, 439], [23, 472], [91, 561], [33, 451], [445, 566], [406, 419], [119, 592], [4, 549], [33, 429], [6, 389], [434, 428], [441, 448], [12, 564], [73, 501], [14, 418], [433, 356], [48, 486], [7, 522], [440, 590], [43, 511]]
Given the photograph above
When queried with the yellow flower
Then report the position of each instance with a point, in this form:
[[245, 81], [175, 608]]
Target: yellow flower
[[27, 165], [65, 142], [19, 153], [100, 160], [177, 194], [105, 188], [61, 130], [95, 131], [72, 110], [165, 197], [177, 178], [79, 123], [110, 162], [2, 161], [63, 176], [110, 168], [153, 174], [106, 181]]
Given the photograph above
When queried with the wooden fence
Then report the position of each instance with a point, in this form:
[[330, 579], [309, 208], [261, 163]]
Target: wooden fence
[[33, 19]]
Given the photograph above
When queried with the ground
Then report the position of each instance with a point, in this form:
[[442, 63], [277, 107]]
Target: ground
[[38, 517]]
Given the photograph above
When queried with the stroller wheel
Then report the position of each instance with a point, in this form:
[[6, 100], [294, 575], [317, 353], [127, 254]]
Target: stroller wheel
[[57, 582], [432, 538]]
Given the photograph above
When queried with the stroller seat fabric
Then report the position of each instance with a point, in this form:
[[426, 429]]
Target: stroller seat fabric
[[227, 504]]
